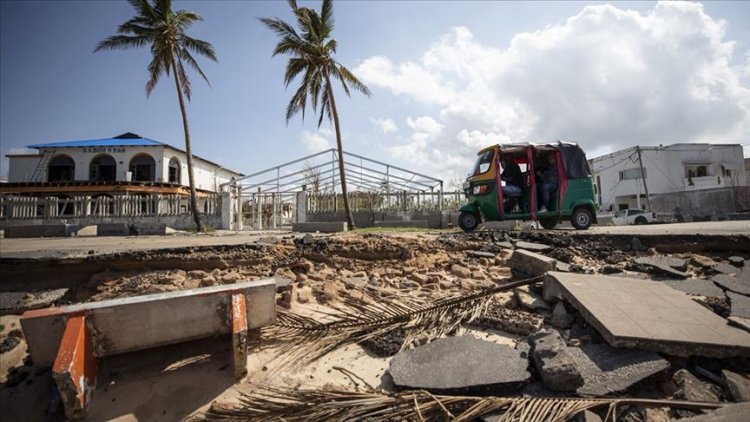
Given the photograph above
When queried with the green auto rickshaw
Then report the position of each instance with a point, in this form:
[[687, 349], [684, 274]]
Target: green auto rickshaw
[[541, 182]]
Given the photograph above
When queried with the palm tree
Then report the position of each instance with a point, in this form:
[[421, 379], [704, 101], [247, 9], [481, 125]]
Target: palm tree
[[156, 25], [312, 50]]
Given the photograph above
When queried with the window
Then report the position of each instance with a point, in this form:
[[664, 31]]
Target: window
[[142, 167], [484, 162], [61, 168], [174, 171], [103, 168], [633, 174], [701, 171]]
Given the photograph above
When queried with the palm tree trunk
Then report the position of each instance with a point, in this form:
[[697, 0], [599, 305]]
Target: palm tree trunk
[[189, 150], [342, 173]]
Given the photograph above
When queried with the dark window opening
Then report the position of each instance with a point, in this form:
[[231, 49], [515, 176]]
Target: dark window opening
[[103, 168], [174, 171], [142, 168], [61, 169]]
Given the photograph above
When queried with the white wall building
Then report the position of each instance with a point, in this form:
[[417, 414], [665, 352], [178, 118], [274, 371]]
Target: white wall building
[[125, 158], [667, 169]]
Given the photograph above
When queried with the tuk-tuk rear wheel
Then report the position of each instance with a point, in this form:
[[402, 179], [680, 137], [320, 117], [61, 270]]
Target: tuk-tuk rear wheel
[[581, 218], [548, 223], [468, 221]]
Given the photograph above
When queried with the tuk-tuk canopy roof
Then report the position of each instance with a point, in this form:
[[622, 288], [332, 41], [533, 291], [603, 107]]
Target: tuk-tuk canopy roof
[[574, 159]]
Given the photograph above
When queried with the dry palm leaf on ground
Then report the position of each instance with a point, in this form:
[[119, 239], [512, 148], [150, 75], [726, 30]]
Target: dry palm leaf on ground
[[299, 340], [265, 403]]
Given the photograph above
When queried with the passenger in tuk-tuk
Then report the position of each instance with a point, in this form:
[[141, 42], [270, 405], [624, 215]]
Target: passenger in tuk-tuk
[[513, 178], [549, 182]]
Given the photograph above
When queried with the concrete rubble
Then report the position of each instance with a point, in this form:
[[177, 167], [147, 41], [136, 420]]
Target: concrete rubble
[[554, 362]]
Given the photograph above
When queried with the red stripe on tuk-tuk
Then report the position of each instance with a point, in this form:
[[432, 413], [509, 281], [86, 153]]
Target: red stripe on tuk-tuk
[[532, 182], [499, 185]]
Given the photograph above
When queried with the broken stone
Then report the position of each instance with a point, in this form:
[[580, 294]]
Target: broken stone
[[610, 269], [355, 282], [740, 305], [409, 285], [530, 300], [737, 261], [730, 413], [659, 266], [533, 247], [481, 254], [731, 283], [232, 278], [691, 388], [725, 268], [16, 302], [460, 365], [702, 261], [636, 245], [739, 322], [385, 345], [460, 271], [530, 264], [695, 287], [554, 362], [560, 317], [304, 295], [512, 321], [667, 261], [303, 265], [607, 370], [738, 386], [419, 278]]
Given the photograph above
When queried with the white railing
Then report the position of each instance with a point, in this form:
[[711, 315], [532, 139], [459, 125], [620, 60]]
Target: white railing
[[703, 182], [396, 201], [103, 206], [268, 210]]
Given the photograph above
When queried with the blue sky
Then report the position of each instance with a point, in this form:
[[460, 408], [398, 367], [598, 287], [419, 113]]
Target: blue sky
[[447, 77]]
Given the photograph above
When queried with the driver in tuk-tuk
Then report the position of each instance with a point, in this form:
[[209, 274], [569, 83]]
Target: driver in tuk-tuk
[[549, 181], [513, 178]]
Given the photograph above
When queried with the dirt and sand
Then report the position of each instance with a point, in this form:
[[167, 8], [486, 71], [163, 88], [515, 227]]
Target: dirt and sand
[[182, 380]]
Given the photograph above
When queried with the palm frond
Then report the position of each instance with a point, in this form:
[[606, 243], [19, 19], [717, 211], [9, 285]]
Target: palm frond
[[184, 80], [266, 403], [297, 103], [184, 55], [121, 42], [204, 48], [300, 340], [281, 28], [345, 75]]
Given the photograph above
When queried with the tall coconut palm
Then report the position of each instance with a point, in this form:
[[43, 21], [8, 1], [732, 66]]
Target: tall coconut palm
[[157, 26], [312, 50]]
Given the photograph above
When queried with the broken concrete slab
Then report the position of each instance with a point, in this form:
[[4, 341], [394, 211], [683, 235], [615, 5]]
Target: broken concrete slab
[[696, 287], [731, 413], [732, 283], [660, 266], [355, 282], [560, 317], [740, 305], [460, 365], [737, 385], [530, 300], [510, 320], [608, 370], [17, 302], [725, 268], [533, 247], [691, 388], [480, 254], [554, 362], [737, 261], [739, 322], [649, 315], [530, 263], [668, 261]]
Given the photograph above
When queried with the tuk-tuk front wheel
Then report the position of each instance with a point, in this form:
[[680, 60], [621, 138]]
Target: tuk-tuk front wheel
[[581, 218], [548, 223], [468, 221]]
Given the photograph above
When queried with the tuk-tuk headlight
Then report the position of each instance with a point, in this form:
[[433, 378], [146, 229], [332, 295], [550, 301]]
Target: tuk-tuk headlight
[[478, 190]]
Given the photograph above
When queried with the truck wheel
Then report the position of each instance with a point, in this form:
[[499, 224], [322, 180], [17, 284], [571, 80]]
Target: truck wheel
[[548, 223], [468, 221], [640, 220], [581, 218]]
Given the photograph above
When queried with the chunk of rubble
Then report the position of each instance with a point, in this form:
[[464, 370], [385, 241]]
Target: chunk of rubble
[[530, 263], [481, 254], [16, 302], [737, 261], [740, 305], [649, 315], [732, 413], [560, 317], [739, 322], [692, 389], [737, 385], [512, 321], [460, 365], [554, 362], [661, 266], [608, 370], [529, 299], [732, 283], [696, 287], [533, 247]]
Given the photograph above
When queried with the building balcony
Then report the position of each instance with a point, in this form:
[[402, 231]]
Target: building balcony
[[704, 182]]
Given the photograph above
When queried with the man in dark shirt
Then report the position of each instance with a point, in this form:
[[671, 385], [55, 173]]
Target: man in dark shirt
[[549, 182], [512, 177]]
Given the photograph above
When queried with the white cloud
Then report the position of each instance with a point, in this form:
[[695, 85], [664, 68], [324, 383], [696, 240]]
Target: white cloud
[[316, 141], [606, 78], [384, 126]]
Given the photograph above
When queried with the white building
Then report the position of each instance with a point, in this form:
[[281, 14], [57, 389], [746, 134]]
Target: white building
[[668, 169], [125, 158]]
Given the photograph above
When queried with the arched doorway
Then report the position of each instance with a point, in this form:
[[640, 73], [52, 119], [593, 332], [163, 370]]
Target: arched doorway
[[174, 171], [143, 168], [61, 168], [103, 168]]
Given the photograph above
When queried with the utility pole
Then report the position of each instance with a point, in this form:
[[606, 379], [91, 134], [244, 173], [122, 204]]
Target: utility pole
[[643, 177]]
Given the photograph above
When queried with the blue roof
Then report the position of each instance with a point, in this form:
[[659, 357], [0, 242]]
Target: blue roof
[[124, 140]]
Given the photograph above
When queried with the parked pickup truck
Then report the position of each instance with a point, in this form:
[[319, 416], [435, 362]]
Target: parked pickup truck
[[636, 216]]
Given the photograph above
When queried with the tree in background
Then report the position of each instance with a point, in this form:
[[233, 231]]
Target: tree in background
[[312, 50], [157, 26]]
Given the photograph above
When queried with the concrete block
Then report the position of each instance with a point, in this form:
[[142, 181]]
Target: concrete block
[[238, 317], [554, 362], [531, 264], [41, 230], [149, 229], [112, 229], [143, 322], [75, 368], [321, 226], [399, 223]]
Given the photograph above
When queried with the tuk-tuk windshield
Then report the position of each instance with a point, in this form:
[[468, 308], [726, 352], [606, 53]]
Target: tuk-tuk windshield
[[483, 163]]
